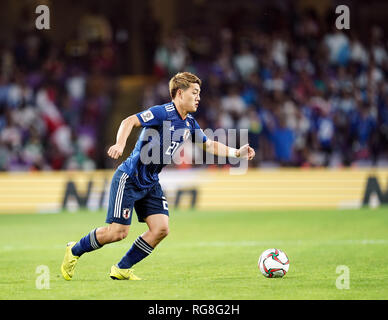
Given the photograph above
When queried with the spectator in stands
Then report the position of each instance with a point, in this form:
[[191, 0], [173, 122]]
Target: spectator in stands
[[306, 95]]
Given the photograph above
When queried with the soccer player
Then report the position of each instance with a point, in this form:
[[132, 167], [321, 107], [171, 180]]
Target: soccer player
[[135, 184]]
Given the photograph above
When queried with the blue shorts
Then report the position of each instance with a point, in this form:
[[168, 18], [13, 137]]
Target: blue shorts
[[126, 196]]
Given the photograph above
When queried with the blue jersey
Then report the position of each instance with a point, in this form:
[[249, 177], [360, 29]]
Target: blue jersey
[[164, 130]]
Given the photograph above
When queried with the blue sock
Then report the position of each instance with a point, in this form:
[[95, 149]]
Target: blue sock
[[86, 244], [139, 250]]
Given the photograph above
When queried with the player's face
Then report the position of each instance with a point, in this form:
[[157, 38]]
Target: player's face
[[190, 97]]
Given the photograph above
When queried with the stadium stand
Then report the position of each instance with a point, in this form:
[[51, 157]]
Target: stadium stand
[[310, 95]]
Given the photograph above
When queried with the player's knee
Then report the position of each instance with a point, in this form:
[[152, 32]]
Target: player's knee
[[120, 235], [117, 234], [163, 232]]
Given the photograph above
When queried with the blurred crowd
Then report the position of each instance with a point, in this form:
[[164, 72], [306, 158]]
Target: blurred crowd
[[54, 100], [309, 95]]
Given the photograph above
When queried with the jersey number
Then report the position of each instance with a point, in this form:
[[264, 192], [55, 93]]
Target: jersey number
[[171, 149]]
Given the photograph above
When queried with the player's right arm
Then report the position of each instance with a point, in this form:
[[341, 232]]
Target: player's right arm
[[123, 133], [154, 116]]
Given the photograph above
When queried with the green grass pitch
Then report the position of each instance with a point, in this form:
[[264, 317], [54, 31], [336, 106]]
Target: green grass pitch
[[208, 255]]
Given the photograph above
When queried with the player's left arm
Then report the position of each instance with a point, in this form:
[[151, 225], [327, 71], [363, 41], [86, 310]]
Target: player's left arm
[[220, 149]]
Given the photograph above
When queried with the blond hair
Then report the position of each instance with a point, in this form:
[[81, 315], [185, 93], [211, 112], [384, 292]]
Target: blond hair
[[182, 80]]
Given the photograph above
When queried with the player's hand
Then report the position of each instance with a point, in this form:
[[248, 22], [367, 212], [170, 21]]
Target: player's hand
[[246, 152], [115, 151]]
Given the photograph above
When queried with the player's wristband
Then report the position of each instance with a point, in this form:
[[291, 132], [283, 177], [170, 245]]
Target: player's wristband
[[232, 152]]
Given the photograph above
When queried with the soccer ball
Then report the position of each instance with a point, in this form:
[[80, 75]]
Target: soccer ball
[[273, 263]]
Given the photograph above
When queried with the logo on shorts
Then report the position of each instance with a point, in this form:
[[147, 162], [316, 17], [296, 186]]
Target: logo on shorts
[[126, 213]]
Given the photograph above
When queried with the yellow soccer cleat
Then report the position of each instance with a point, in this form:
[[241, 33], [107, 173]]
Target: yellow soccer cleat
[[69, 262], [122, 274]]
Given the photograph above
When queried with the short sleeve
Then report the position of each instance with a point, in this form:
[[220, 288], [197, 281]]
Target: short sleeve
[[197, 133], [153, 116]]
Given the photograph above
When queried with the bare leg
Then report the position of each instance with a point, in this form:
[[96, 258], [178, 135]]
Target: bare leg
[[112, 233], [144, 245], [157, 229]]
